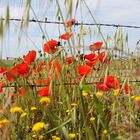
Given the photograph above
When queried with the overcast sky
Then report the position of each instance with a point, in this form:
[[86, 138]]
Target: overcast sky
[[105, 11]]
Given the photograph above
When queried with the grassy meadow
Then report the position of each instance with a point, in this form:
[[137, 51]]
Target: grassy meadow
[[62, 94]]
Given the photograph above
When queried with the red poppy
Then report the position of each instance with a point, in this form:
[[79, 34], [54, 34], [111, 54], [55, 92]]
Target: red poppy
[[92, 59], [69, 60], [108, 82], [23, 69], [66, 36], [30, 57], [45, 91], [70, 22], [91, 63], [50, 46], [127, 88], [104, 58], [2, 84], [111, 82], [12, 74], [2, 70], [95, 46], [83, 70], [22, 91], [103, 87]]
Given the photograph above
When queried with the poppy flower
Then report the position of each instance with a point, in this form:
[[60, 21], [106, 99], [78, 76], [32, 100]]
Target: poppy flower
[[66, 36], [69, 60], [95, 46], [12, 74], [30, 57], [22, 91], [91, 63], [45, 91], [70, 22], [112, 82], [2, 84], [104, 58], [108, 83], [50, 46], [23, 69], [2, 70], [92, 59], [127, 88], [103, 87], [83, 70]]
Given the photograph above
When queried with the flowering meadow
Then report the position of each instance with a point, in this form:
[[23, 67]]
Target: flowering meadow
[[61, 94]]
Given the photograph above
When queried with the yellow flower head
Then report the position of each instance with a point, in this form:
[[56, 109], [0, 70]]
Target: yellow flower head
[[73, 104], [99, 94], [23, 114], [56, 138], [137, 98], [133, 97], [33, 108], [3, 122], [38, 126], [116, 92], [68, 111], [72, 135], [16, 109], [92, 119], [104, 131], [45, 100], [84, 93], [91, 96], [41, 137]]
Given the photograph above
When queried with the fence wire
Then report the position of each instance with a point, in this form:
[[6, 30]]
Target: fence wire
[[78, 23]]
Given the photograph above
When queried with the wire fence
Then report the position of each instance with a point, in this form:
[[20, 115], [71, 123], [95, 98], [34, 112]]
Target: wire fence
[[44, 85], [78, 23]]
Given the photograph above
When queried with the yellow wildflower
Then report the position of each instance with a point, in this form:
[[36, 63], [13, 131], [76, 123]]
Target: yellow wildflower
[[72, 135], [133, 97], [73, 104], [116, 92], [92, 119], [91, 95], [23, 114], [137, 98], [56, 138], [45, 100], [3, 122], [38, 126], [99, 94], [16, 109], [104, 131], [84, 93], [68, 111], [34, 136], [41, 137], [33, 108]]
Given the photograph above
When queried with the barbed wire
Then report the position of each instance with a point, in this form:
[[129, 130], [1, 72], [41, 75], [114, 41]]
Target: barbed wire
[[44, 85], [78, 23]]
